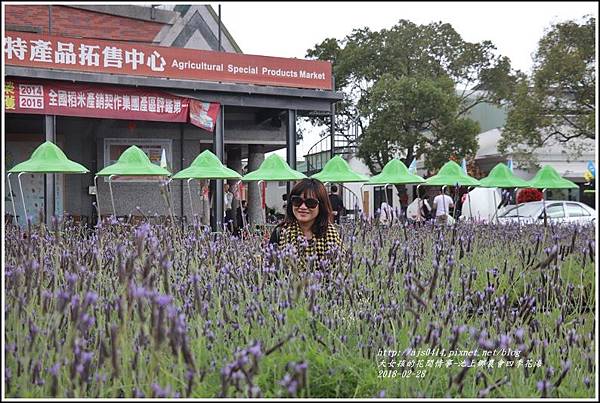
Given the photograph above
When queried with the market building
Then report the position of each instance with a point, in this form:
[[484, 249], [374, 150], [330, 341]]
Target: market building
[[98, 79]]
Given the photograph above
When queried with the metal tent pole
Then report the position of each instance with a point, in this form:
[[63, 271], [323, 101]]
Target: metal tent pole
[[112, 199], [22, 197], [169, 200], [517, 207], [362, 192], [262, 201], [97, 199], [291, 143], [544, 207], [191, 200], [456, 189], [12, 199], [494, 216], [469, 197]]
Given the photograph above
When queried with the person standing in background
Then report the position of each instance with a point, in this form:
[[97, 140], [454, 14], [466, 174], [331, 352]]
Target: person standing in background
[[442, 204], [228, 206], [337, 204]]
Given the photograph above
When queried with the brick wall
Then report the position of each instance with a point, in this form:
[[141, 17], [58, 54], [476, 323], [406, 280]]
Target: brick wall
[[69, 21]]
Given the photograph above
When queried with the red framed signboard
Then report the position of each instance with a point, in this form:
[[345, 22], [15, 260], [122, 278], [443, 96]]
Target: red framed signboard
[[92, 101], [109, 57]]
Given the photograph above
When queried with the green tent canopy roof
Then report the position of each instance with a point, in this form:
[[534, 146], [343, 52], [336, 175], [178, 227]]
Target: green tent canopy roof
[[451, 174], [395, 172], [207, 166], [337, 170], [274, 168], [548, 178], [49, 158], [501, 177], [133, 162]]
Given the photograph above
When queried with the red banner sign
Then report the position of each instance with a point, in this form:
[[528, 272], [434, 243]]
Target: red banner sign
[[204, 114], [91, 55], [68, 99]]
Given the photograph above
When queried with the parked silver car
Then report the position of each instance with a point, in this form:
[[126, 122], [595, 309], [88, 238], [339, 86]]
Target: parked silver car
[[558, 211]]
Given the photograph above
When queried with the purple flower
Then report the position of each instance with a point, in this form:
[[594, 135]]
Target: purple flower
[[86, 357], [255, 349], [543, 386], [138, 292], [87, 322], [504, 341], [71, 279], [54, 369], [90, 298], [302, 366], [226, 371], [519, 333], [163, 300], [292, 388]]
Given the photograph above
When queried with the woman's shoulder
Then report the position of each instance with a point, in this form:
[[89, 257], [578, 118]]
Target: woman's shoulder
[[332, 231]]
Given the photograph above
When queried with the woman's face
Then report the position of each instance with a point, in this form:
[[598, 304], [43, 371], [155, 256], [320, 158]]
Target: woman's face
[[303, 213]]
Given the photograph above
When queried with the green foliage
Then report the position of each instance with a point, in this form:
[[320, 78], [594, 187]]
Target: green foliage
[[557, 103], [402, 89]]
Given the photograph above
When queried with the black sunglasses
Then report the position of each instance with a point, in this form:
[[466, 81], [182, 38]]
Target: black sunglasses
[[310, 203]]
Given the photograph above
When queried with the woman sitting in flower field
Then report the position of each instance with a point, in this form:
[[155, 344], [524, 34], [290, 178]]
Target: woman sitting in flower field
[[308, 215]]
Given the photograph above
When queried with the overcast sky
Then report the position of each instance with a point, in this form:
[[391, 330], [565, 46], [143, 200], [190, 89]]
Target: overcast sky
[[288, 29]]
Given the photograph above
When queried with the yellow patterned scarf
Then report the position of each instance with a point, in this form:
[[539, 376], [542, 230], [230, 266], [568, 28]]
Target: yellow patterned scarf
[[291, 233]]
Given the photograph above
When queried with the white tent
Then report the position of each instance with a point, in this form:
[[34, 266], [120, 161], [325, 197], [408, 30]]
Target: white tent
[[482, 206]]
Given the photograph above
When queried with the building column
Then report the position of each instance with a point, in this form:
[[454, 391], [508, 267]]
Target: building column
[[256, 156], [50, 183], [291, 144], [216, 221], [234, 161], [332, 124], [181, 162]]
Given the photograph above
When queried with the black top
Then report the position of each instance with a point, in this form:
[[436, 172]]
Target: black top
[[336, 202], [275, 235]]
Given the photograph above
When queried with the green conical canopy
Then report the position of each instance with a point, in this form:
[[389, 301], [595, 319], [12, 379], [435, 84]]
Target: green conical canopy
[[274, 168], [451, 174], [395, 172], [337, 170], [207, 166], [48, 158], [133, 162], [501, 177], [548, 178]]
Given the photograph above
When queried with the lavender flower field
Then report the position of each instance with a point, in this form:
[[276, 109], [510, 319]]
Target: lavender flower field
[[157, 311]]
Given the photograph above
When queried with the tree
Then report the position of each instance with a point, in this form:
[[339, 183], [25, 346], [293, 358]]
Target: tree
[[557, 103], [409, 89]]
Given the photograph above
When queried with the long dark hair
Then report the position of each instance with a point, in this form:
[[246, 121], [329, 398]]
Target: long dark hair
[[316, 188]]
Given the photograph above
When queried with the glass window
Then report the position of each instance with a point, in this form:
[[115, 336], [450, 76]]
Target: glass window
[[575, 210], [555, 211], [523, 210]]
